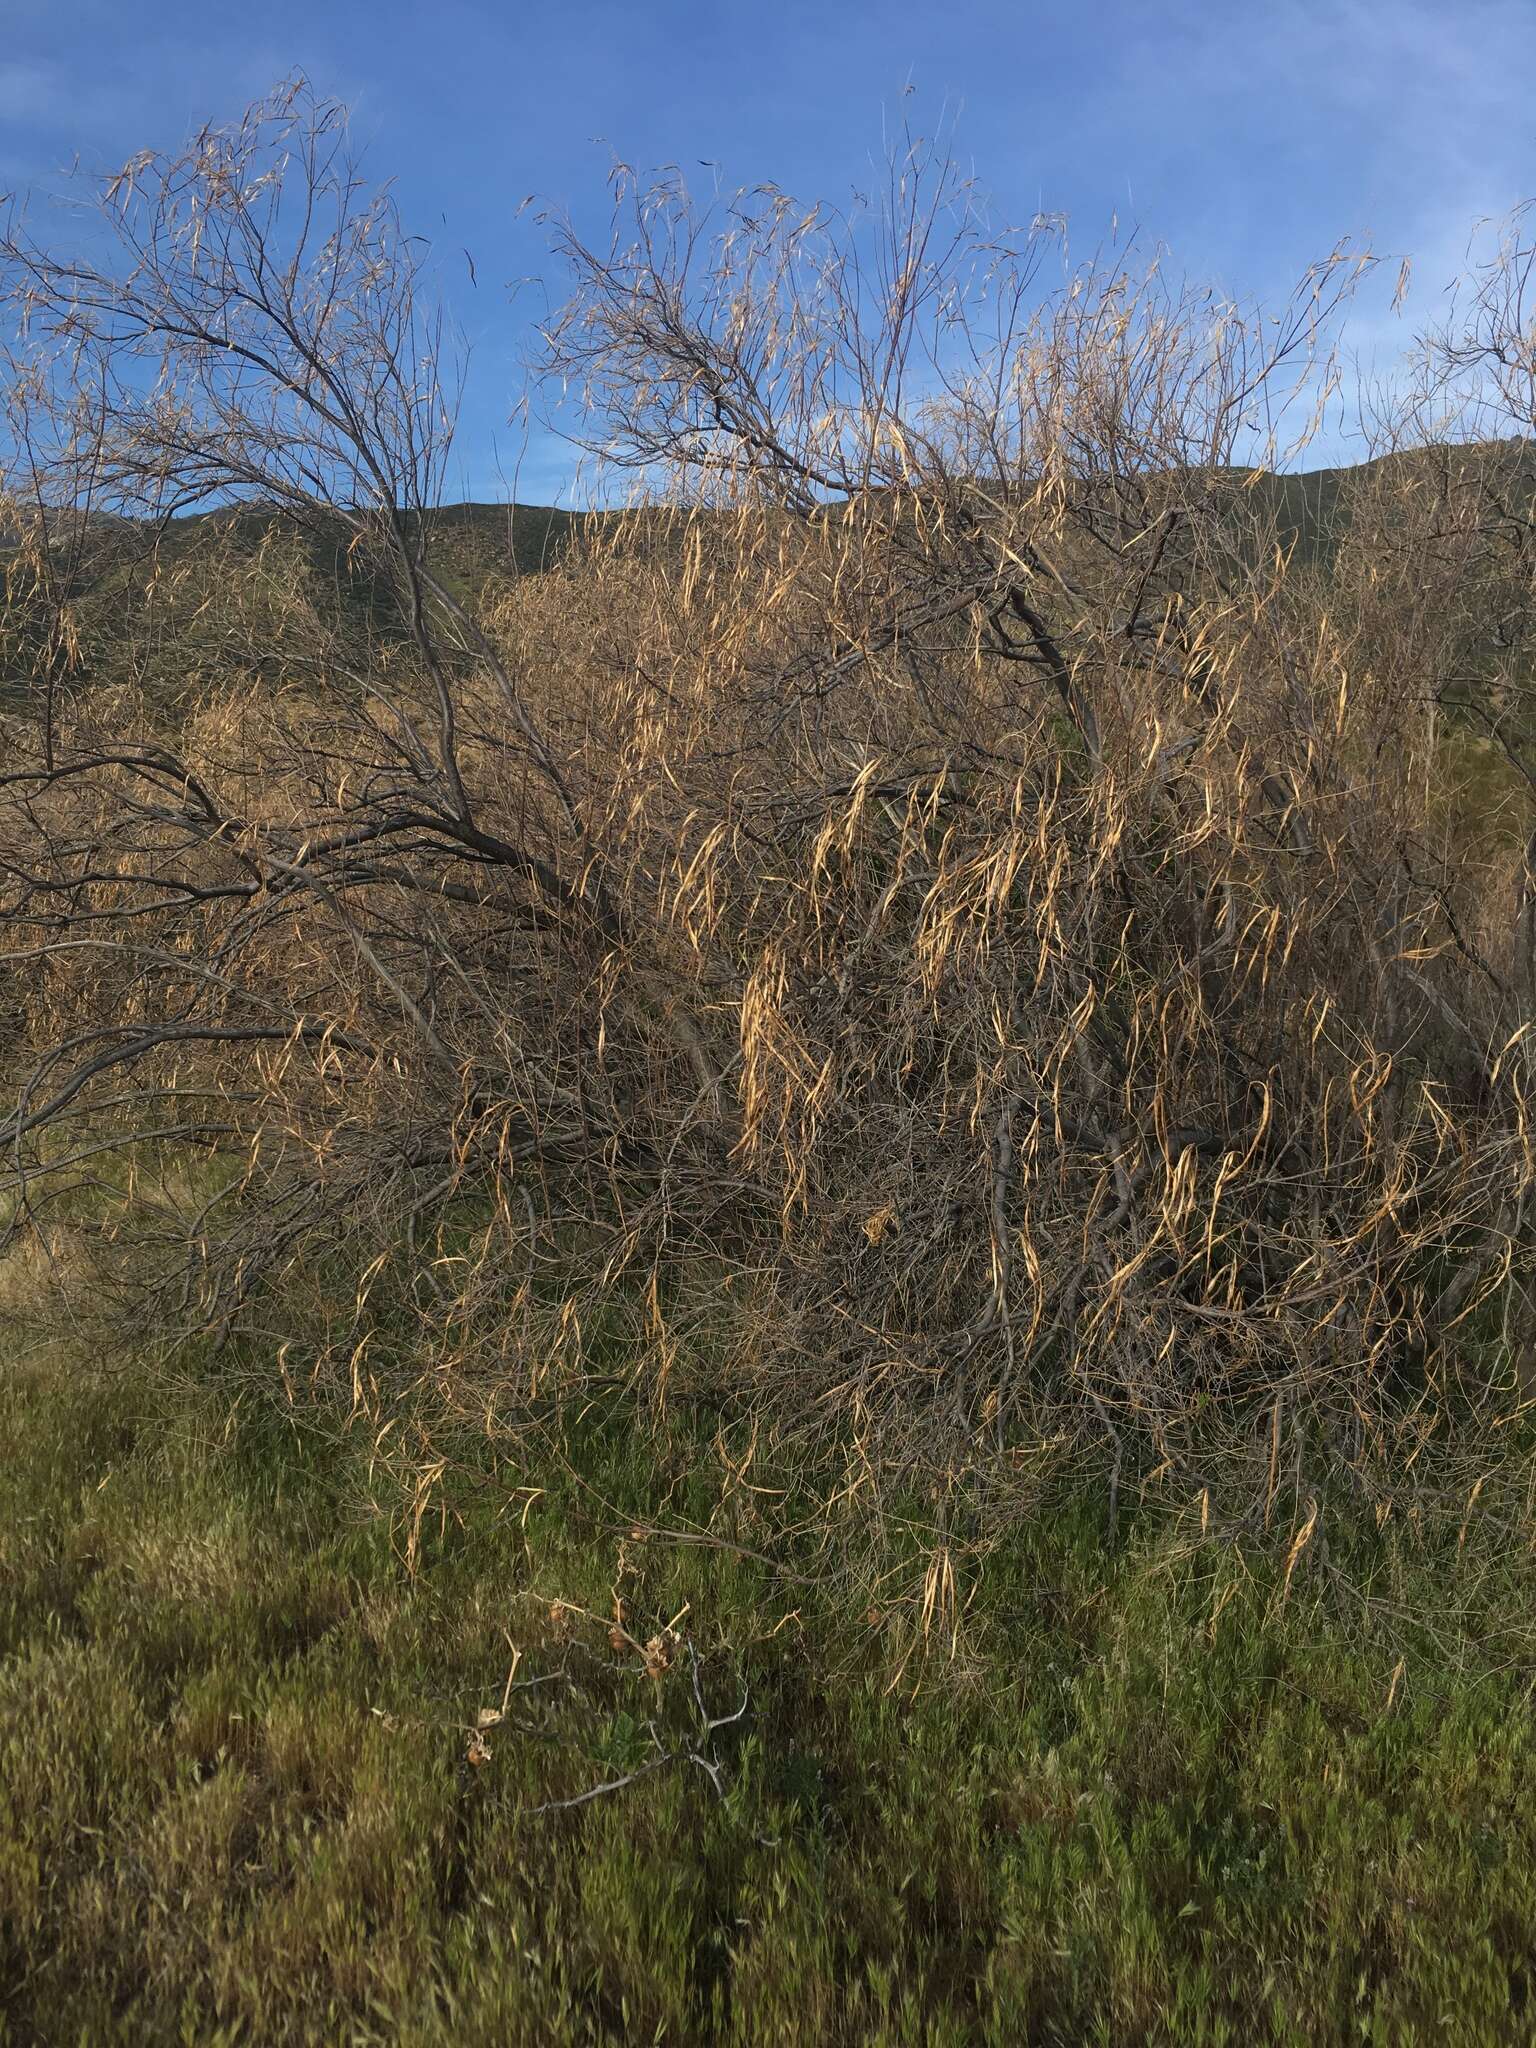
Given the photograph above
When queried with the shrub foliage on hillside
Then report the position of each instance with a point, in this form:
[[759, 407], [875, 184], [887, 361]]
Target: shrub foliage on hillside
[[944, 892]]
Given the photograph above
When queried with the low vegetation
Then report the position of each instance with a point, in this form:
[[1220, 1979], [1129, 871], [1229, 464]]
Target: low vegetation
[[263, 1778]]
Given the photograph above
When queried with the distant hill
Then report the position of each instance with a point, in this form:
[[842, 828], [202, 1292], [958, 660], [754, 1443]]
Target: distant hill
[[121, 571], [1312, 508], [479, 535], [475, 542]]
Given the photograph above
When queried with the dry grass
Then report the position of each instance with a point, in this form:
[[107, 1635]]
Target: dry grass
[[938, 913]]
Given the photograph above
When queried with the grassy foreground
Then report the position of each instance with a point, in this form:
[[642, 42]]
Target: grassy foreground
[[259, 1781]]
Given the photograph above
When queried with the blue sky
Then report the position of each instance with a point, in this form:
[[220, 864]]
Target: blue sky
[[1246, 136]]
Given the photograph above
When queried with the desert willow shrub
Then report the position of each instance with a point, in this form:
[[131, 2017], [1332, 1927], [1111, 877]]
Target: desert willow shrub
[[935, 909]]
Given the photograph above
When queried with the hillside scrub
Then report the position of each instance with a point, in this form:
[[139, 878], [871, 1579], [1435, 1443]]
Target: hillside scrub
[[941, 926]]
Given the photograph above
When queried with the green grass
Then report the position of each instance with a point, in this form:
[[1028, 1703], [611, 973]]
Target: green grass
[[1155, 1795]]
